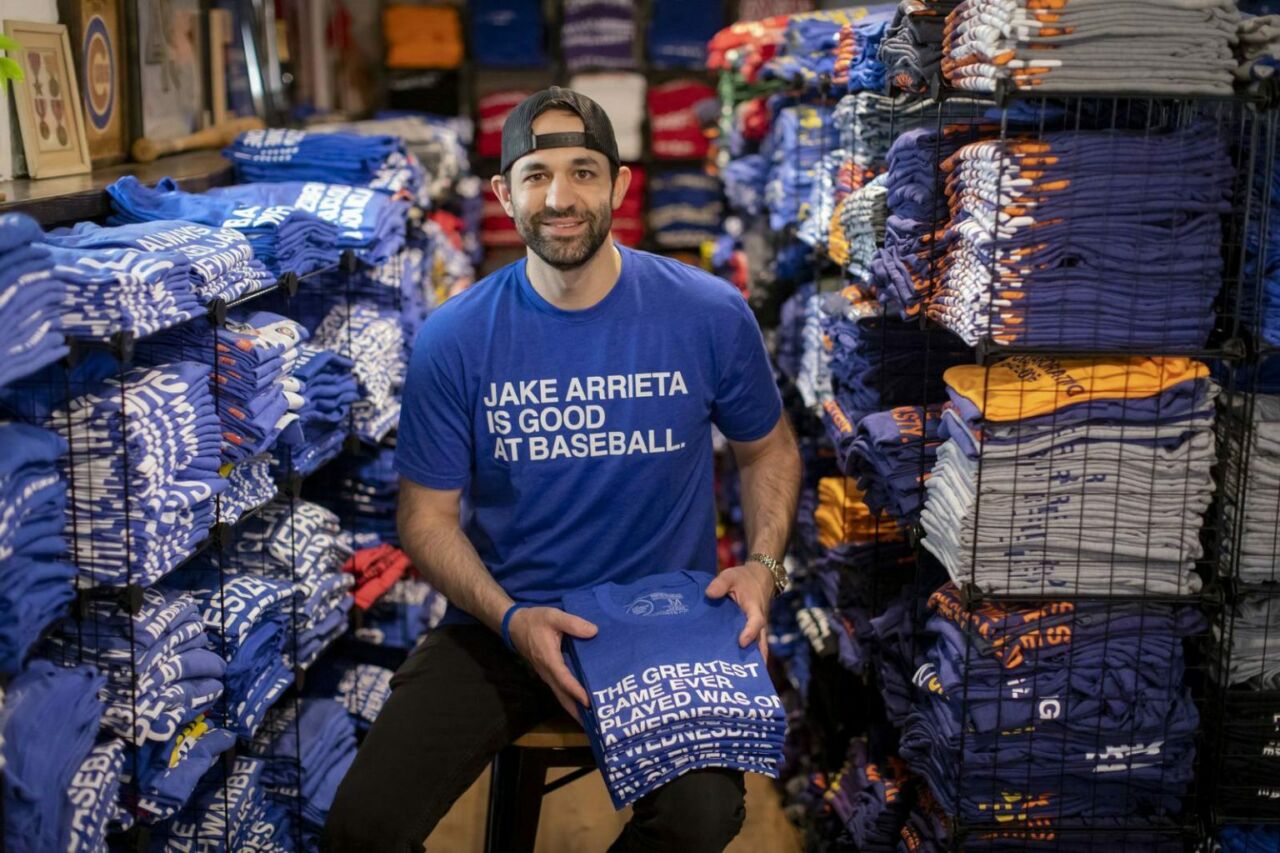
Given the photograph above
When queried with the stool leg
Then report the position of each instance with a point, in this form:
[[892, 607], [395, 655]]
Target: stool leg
[[515, 800]]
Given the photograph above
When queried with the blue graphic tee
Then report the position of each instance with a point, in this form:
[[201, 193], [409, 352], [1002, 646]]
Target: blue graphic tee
[[582, 439]]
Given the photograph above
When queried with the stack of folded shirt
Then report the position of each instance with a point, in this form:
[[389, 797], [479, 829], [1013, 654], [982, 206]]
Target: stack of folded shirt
[[1038, 449], [375, 571], [246, 616], [492, 110], [799, 138], [814, 377], [868, 799], [497, 230], [363, 492], [1253, 651], [1261, 310], [94, 793], [164, 775], [892, 456], [136, 514], [1092, 46], [328, 389], [816, 214], [912, 47], [249, 486], [598, 34], [808, 54], [35, 585], [507, 34], [744, 183], [670, 689], [862, 217], [878, 362], [374, 342], [676, 110], [160, 671], [31, 300], [684, 209], [227, 813], [302, 541], [123, 290], [370, 223], [1235, 838], [1086, 239], [679, 32], [747, 45], [49, 721], [306, 748], [1258, 50], [251, 375], [1246, 760], [222, 265], [378, 162], [1041, 718], [908, 267], [894, 647], [361, 688], [622, 96], [1254, 522], [858, 45], [284, 238], [422, 36], [403, 614], [628, 219]]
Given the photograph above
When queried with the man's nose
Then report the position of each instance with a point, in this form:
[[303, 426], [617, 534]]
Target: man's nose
[[561, 194]]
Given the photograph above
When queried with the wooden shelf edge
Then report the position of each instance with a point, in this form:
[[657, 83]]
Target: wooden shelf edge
[[74, 198]]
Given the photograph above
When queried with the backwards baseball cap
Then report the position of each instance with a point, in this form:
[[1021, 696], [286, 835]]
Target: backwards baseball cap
[[518, 138]]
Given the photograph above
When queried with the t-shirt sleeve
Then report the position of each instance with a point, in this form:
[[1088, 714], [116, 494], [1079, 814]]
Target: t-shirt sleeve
[[434, 439], [747, 403]]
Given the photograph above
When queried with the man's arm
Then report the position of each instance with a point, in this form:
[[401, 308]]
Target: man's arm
[[430, 533], [770, 470]]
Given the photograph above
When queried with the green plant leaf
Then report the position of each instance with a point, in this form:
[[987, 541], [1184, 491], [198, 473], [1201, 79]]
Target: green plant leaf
[[7, 43], [10, 70]]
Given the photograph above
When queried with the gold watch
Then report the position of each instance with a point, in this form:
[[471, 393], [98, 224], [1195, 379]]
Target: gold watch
[[780, 579]]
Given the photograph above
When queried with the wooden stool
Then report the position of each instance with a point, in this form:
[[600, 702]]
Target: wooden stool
[[518, 781]]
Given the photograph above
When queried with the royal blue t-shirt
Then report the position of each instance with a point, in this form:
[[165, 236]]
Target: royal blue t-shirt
[[582, 439]]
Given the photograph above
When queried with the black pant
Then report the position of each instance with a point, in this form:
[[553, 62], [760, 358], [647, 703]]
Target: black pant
[[454, 704]]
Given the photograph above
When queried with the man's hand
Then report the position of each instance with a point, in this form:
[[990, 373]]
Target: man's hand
[[536, 634], [751, 587]]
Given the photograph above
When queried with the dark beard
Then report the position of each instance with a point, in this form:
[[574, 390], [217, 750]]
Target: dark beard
[[565, 253]]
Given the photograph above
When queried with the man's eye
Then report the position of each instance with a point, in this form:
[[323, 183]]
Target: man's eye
[[536, 176], [586, 174]]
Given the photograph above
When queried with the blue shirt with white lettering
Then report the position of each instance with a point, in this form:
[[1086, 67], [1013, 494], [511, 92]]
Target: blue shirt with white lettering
[[582, 439]]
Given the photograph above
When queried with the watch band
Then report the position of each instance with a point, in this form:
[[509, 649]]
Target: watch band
[[780, 579]]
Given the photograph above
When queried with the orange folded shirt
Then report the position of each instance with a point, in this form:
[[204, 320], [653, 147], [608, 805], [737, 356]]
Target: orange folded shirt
[[422, 36]]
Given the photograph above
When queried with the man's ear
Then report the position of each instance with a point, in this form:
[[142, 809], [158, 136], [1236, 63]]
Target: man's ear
[[503, 191], [620, 185]]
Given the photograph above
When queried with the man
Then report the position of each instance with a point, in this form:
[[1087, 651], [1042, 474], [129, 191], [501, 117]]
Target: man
[[571, 395]]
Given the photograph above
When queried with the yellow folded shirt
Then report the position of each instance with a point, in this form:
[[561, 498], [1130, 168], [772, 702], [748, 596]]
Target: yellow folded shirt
[[1028, 386], [843, 516]]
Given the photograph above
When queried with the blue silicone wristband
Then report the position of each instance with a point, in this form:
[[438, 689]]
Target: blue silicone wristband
[[506, 622]]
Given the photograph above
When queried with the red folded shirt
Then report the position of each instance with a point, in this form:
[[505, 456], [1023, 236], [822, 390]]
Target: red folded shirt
[[673, 121], [376, 570], [491, 111]]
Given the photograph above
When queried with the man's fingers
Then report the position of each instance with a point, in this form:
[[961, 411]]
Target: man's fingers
[[718, 587], [755, 624], [570, 707], [564, 680], [574, 626]]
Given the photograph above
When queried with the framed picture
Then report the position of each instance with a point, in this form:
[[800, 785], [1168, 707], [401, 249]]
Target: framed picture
[[169, 64], [48, 101], [97, 32]]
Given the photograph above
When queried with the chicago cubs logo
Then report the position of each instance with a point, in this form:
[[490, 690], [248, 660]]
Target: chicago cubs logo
[[658, 604], [98, 67]]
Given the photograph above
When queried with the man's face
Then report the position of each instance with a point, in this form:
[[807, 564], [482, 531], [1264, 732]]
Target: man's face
[[562, 199]]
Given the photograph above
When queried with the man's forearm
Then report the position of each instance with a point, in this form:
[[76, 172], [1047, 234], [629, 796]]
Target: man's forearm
[[449, 562], [770, 491]]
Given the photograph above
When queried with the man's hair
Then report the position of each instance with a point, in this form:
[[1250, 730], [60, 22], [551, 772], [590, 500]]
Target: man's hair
[[556, 102]]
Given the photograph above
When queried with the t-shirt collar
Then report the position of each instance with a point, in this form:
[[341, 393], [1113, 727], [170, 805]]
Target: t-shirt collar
[[586, 314]]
